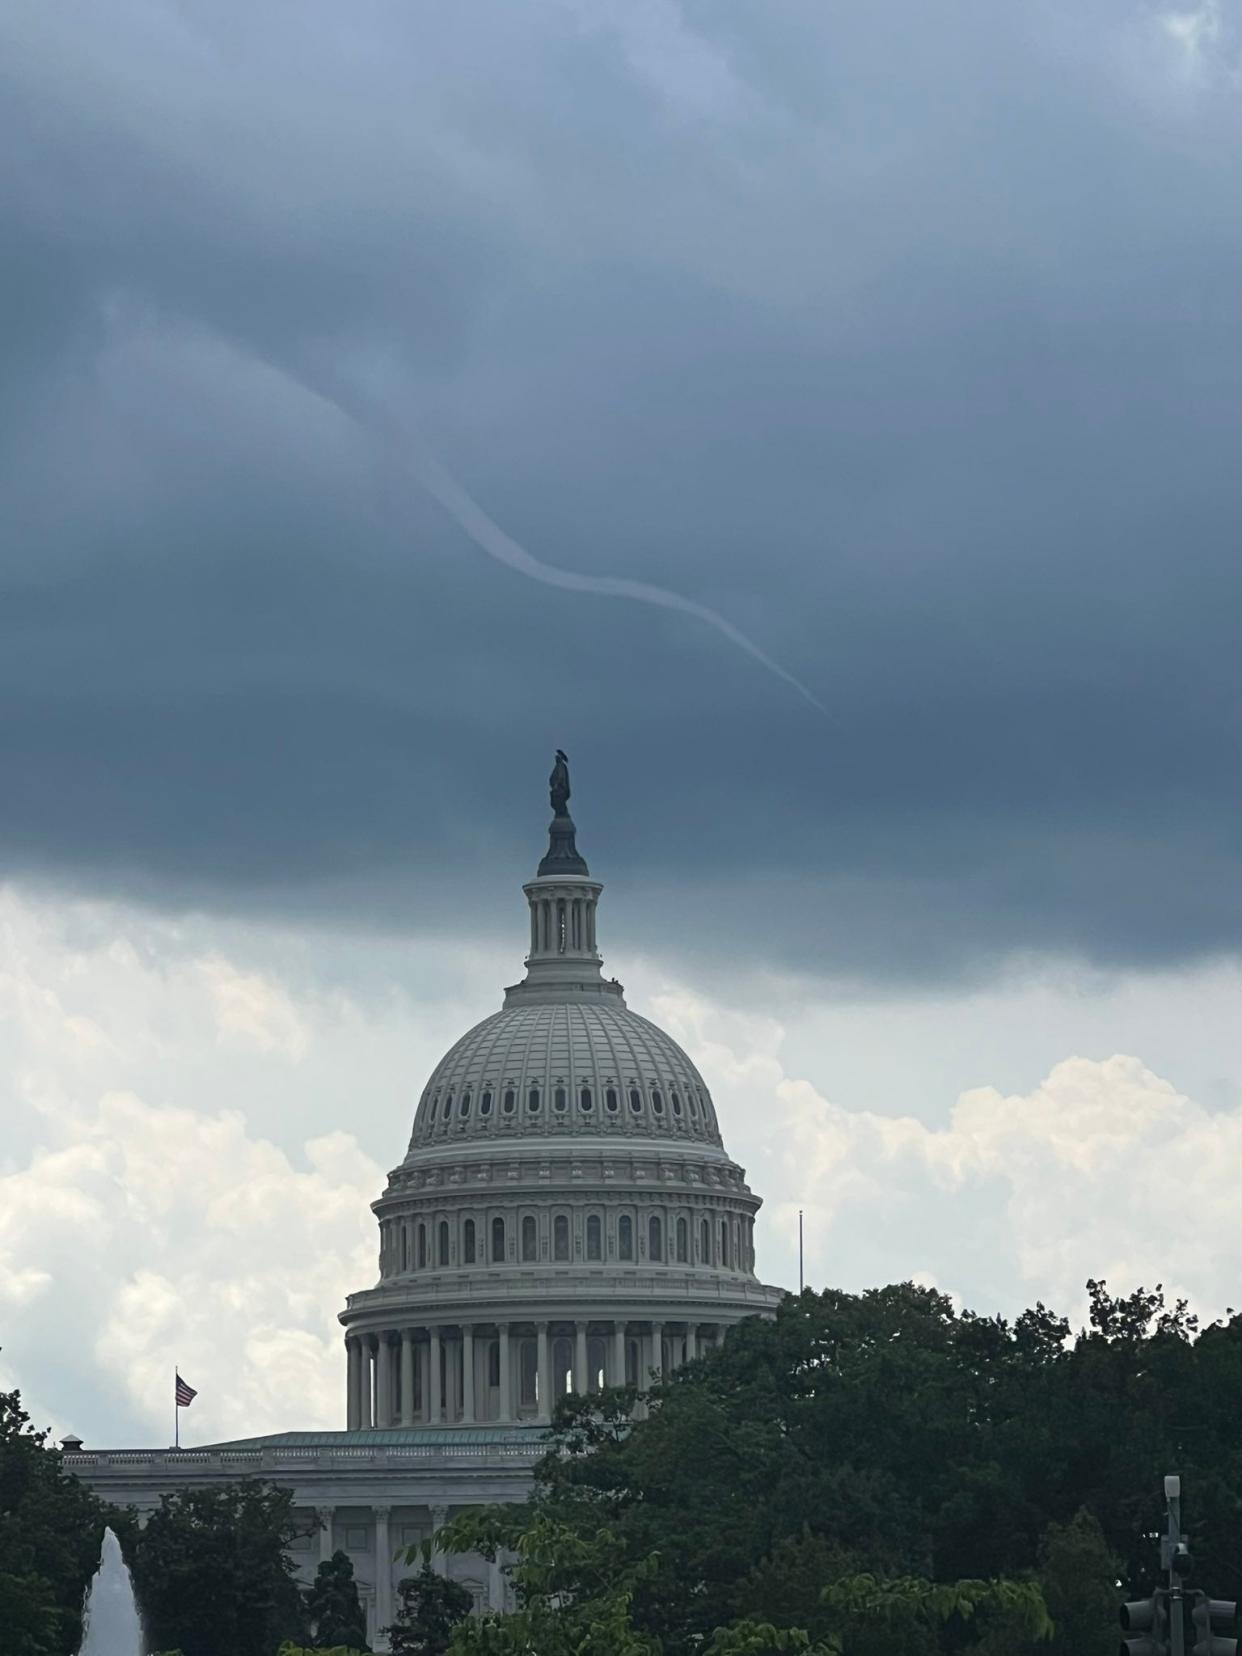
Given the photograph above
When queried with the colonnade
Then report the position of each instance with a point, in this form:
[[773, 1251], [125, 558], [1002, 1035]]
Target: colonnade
[[336, 1523], [468, 1373]]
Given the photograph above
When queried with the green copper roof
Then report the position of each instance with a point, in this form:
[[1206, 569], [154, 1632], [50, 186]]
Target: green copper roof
[[394, 1438]]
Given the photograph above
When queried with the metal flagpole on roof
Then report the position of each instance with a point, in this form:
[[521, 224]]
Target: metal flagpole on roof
[[801, 1282], [176, 1410]]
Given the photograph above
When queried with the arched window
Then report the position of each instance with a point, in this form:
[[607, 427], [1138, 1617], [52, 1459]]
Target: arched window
[[595, 1238], [655, 1238], [636, 1100], [510, 1100], [724, 1244], [694, 1102], [657, 1101], [683, 1242], [705, 1242], [559, 1098], [498, 1241], [422, 1245], [444, 1242], [625, 1237], [530, 1239], [532, 1099], [585, 1101], [448, 1107], [676, 1099], [611, 1099], [485, 1103], [464, 1107], [560, 1237], [431, 1110], [467, 1242]]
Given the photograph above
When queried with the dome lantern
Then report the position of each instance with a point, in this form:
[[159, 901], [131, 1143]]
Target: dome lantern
[[563, 957]]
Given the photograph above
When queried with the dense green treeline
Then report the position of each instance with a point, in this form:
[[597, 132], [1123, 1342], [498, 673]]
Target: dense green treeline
[[828, 1470], [872, 1474]]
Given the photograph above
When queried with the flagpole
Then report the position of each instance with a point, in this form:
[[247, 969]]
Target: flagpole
[[801, 1283], [176, 1412]]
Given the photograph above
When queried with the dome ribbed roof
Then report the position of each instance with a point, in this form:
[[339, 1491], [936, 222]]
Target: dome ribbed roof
[[582, 1068]]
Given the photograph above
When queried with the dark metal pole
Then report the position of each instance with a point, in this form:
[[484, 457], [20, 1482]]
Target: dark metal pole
[[801, 1281], [1177, 1627]]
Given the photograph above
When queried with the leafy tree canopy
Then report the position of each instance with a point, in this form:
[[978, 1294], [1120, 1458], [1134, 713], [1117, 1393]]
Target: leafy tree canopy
[[883, 1473], [51, 1528], [333, 1610], [212, 1574], [432, 1605]]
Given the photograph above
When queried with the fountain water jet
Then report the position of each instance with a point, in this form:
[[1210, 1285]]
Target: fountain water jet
[[111, 1625]]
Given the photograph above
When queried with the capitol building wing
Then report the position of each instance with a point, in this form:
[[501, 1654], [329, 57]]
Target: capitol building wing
[[565, 1218]]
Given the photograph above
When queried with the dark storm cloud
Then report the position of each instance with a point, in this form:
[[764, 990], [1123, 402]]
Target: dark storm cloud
[[904, 337]]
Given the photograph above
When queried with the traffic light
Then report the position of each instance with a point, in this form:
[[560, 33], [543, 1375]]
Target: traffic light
[[1148, 1619], [1214, 1619]]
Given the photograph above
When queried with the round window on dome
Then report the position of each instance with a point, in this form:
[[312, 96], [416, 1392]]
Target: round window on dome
[[675, 1100], [532, 1099], [431, 1109], [510, 1101], [636, 1100], [448, 1107], [694, 1106], [611, 1099], [464, 1107], [560, 1098], [485, 1103], [585, 1100], [657, 1101]]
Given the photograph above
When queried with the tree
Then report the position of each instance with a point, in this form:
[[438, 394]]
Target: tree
[[212, 1574], [1079, 1573], [50, 1533], [432, 1605], [574, 1589], [335, 1615], [888, 1436]]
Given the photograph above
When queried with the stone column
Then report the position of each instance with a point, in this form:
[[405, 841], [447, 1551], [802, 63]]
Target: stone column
[[433, 1393], [467, 1374], [383, 1382], [452, 1378], [617, 1376], [327, 1544], [582, 1383], [364, 1388], [657, 1352], [353, 1371], [439, 1517], [383, 1568], [506, 1379], [407, 1376], [692, 1341], [543, 1370], [495, 1585], [424, 1370]]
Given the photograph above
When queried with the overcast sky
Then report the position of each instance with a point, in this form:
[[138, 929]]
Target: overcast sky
[[819, 419]]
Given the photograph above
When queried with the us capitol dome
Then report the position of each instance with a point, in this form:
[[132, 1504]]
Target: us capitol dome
[[566, 1216]]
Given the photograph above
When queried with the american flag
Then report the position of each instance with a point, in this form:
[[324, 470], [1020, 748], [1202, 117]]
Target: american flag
[[185, 1394]]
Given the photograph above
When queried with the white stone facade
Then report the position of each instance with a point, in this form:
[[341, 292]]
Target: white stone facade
[[565, 1218]]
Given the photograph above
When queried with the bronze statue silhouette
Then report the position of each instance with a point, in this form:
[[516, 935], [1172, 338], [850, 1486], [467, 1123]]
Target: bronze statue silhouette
[[558, 785]]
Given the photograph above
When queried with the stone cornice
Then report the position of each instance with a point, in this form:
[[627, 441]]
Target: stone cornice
[[512, 1293], [546, 1167]]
